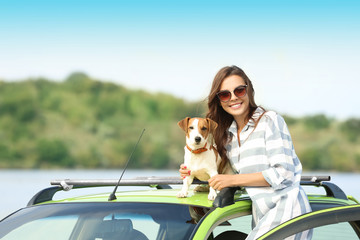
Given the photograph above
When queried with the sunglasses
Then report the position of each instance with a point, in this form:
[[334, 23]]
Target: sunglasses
[[225, 95]]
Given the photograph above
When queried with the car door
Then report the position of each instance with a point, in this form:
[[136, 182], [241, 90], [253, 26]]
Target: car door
[[332, 223]]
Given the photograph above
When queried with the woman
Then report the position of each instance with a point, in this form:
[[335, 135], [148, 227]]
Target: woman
[[258, 146]]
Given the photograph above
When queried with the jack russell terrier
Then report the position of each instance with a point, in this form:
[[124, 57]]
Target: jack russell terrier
[[201, 157]]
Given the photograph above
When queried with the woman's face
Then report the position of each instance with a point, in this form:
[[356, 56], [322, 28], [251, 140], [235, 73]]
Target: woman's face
[[238, 107]]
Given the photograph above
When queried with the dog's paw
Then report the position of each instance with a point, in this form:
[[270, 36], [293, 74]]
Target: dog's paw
[[212, 195], [181, 194], [202, 188]]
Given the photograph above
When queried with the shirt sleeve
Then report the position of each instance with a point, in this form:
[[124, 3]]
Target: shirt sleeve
[[279, 152]]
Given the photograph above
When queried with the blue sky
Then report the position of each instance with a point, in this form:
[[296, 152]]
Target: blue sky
[[302, 56]]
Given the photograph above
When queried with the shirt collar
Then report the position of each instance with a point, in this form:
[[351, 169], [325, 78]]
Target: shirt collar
[[257, 113], [233, 128]]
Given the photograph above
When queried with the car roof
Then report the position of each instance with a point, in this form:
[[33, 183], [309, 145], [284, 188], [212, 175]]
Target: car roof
[[162, 192], [150, 196]]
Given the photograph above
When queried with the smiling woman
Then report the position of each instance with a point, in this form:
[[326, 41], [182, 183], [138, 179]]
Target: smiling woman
[[258, 145]]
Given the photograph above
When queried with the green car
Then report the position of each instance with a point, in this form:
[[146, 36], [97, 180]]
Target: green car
[[157, 213]]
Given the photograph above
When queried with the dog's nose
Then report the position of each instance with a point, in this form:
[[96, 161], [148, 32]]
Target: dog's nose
[[197, 139]]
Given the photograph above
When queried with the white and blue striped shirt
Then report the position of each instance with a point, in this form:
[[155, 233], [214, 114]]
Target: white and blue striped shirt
[[269, 149]]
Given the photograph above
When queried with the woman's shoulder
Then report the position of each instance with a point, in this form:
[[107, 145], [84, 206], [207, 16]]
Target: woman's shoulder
[[272, 116], [274, 120], [260, 112], [268, 118]]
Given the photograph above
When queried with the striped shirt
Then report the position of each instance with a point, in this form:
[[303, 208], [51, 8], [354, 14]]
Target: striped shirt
[[268, 148]]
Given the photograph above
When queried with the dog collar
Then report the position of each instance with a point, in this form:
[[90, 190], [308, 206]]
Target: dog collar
[[199, 150]]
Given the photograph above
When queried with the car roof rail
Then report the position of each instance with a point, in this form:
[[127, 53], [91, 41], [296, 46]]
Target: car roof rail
[[224, 198], [331, 189], [44, 195], [315, 178], [47, 194]]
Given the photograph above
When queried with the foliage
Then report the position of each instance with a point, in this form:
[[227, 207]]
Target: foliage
[[351, 128], [53, 152], [85, 123], [319, 121], [290, 120]]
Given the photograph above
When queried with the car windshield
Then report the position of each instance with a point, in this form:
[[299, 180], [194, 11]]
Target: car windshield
[[102, 221]]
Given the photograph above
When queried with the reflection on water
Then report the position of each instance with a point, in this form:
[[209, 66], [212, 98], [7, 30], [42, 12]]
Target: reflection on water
[[18, 186]]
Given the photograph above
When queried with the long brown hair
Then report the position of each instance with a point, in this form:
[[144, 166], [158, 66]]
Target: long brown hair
[[219, 115]]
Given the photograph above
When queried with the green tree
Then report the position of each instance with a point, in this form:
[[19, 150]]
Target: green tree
[[315, 159], [53, 152], [317, 122], [351, 128], [290, 120], [19, 102]]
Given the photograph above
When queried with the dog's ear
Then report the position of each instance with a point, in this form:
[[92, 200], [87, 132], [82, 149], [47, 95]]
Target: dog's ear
[[183, 124], [212, 125]]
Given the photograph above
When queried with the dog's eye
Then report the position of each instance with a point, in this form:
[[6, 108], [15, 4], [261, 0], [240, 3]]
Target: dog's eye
[[191, 127], [204, 128]]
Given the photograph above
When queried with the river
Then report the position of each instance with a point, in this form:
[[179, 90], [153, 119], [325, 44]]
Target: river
[[18, 186]]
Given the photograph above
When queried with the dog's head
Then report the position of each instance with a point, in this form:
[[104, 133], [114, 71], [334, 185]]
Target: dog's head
[[198, 131]]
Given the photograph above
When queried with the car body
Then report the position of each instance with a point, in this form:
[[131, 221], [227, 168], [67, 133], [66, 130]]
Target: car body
[[336, 223], [154, 213]]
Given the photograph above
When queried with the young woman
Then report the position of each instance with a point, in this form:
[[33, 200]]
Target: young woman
[[258, 146]]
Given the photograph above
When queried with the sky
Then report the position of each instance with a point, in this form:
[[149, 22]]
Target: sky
[[303, 56]]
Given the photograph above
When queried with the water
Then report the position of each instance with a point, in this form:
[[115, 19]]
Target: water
[[18, 186]]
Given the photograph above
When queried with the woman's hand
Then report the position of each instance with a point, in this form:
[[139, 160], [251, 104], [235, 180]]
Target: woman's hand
[[184, 172], [221, 181]]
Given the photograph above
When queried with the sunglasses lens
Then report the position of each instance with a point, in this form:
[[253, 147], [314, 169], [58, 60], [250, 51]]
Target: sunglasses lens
[[224, 96], [240, 91]]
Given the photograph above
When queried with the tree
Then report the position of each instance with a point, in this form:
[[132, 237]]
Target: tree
[[351, 128], [317, 122]]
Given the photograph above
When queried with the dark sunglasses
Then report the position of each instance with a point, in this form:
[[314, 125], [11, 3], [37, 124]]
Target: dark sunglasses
[[225, 95]]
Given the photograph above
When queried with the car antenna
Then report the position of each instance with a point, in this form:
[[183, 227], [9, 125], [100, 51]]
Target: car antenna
[[112, 195]]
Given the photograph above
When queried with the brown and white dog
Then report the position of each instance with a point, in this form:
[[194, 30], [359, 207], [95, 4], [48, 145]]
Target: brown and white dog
[[201, 157]]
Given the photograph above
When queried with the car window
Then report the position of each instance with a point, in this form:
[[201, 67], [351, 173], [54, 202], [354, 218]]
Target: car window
[[242, 224], [56, 228], [337, 231], [333, 223], [141, 222], [100, 221], [236, 226]]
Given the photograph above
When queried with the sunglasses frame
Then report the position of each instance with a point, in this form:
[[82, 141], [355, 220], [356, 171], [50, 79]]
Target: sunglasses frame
[[232, 92]]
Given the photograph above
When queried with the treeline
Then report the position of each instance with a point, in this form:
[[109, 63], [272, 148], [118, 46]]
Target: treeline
[[323, 143], [86, 123]]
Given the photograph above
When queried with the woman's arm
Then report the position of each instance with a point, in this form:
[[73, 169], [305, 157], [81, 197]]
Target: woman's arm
[[221, 181]]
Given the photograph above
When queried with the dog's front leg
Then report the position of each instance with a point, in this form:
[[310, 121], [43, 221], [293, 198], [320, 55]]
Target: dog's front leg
[[212, 192], [185, 188]]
